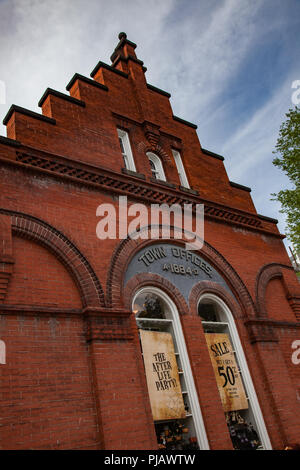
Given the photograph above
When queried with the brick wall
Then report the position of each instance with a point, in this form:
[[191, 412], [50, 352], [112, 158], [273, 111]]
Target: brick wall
[[74, 375]]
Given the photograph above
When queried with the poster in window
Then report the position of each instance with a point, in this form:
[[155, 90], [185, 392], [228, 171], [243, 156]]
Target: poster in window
[[228, 378], [162, 375]]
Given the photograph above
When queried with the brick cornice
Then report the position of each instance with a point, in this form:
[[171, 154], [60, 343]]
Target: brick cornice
[[44, 310], [63, 96], [240, 186], [9, 142], [261, 331], [186, 123], [104, 311], [158, 90], [107, 67], [273, 323], [27, 112], [94, 83], [150, 192], [268, 219], [108, 324], [212, 154]]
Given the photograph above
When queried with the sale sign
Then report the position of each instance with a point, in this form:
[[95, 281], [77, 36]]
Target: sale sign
[[228, 378], [162, 375]]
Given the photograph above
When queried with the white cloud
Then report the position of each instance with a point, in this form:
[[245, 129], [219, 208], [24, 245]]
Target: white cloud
[[249, 151], [203, 57], [46, 42], [253, 142]]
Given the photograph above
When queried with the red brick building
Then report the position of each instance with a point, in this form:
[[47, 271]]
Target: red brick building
[[72, 371]]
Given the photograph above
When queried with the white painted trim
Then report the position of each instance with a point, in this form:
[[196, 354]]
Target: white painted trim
[[250, 390], [2, 352], [190, 385], [180, 168], [126, 144]]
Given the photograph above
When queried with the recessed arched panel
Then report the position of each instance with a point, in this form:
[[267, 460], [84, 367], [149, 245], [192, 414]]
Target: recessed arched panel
[[39, 278], [26, 226]]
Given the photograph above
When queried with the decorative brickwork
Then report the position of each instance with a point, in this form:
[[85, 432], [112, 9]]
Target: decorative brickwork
[[26, 226], [108, 181], [266, 274], [6, 255], [154, 280]]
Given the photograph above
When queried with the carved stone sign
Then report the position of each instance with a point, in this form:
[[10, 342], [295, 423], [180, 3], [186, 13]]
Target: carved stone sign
[[228, 378], [162, 375], [181, 267]]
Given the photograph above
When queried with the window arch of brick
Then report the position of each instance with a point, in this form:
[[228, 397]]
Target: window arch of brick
[[267, 273], [208, 287], [154, 280], [32, 228]]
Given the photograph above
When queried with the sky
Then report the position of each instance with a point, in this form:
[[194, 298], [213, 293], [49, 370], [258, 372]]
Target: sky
[[228, 64]]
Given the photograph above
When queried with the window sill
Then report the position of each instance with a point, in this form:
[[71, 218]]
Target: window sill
[[133, 173], [164, 183], [189, 190]]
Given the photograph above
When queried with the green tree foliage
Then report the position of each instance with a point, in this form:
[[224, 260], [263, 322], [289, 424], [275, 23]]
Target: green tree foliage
[[288, 160]]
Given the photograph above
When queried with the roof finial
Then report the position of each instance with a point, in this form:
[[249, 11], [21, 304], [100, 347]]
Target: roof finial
[[122, 35]]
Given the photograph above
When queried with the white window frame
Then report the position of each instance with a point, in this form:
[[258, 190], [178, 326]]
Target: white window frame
[[2, 352], [180, 168], [181, 346], [127, 154], [158, 173], [237, 346]]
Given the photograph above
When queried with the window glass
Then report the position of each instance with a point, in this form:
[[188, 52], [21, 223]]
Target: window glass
[[126, 150], [233, 380], [156, 167], [155, 312], [180, 169]]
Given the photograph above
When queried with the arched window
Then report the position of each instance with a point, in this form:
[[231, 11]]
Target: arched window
[[243, 415], [156, 167], [155, 312]]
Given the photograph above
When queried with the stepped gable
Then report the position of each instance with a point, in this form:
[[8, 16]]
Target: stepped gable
[[79, 128]]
